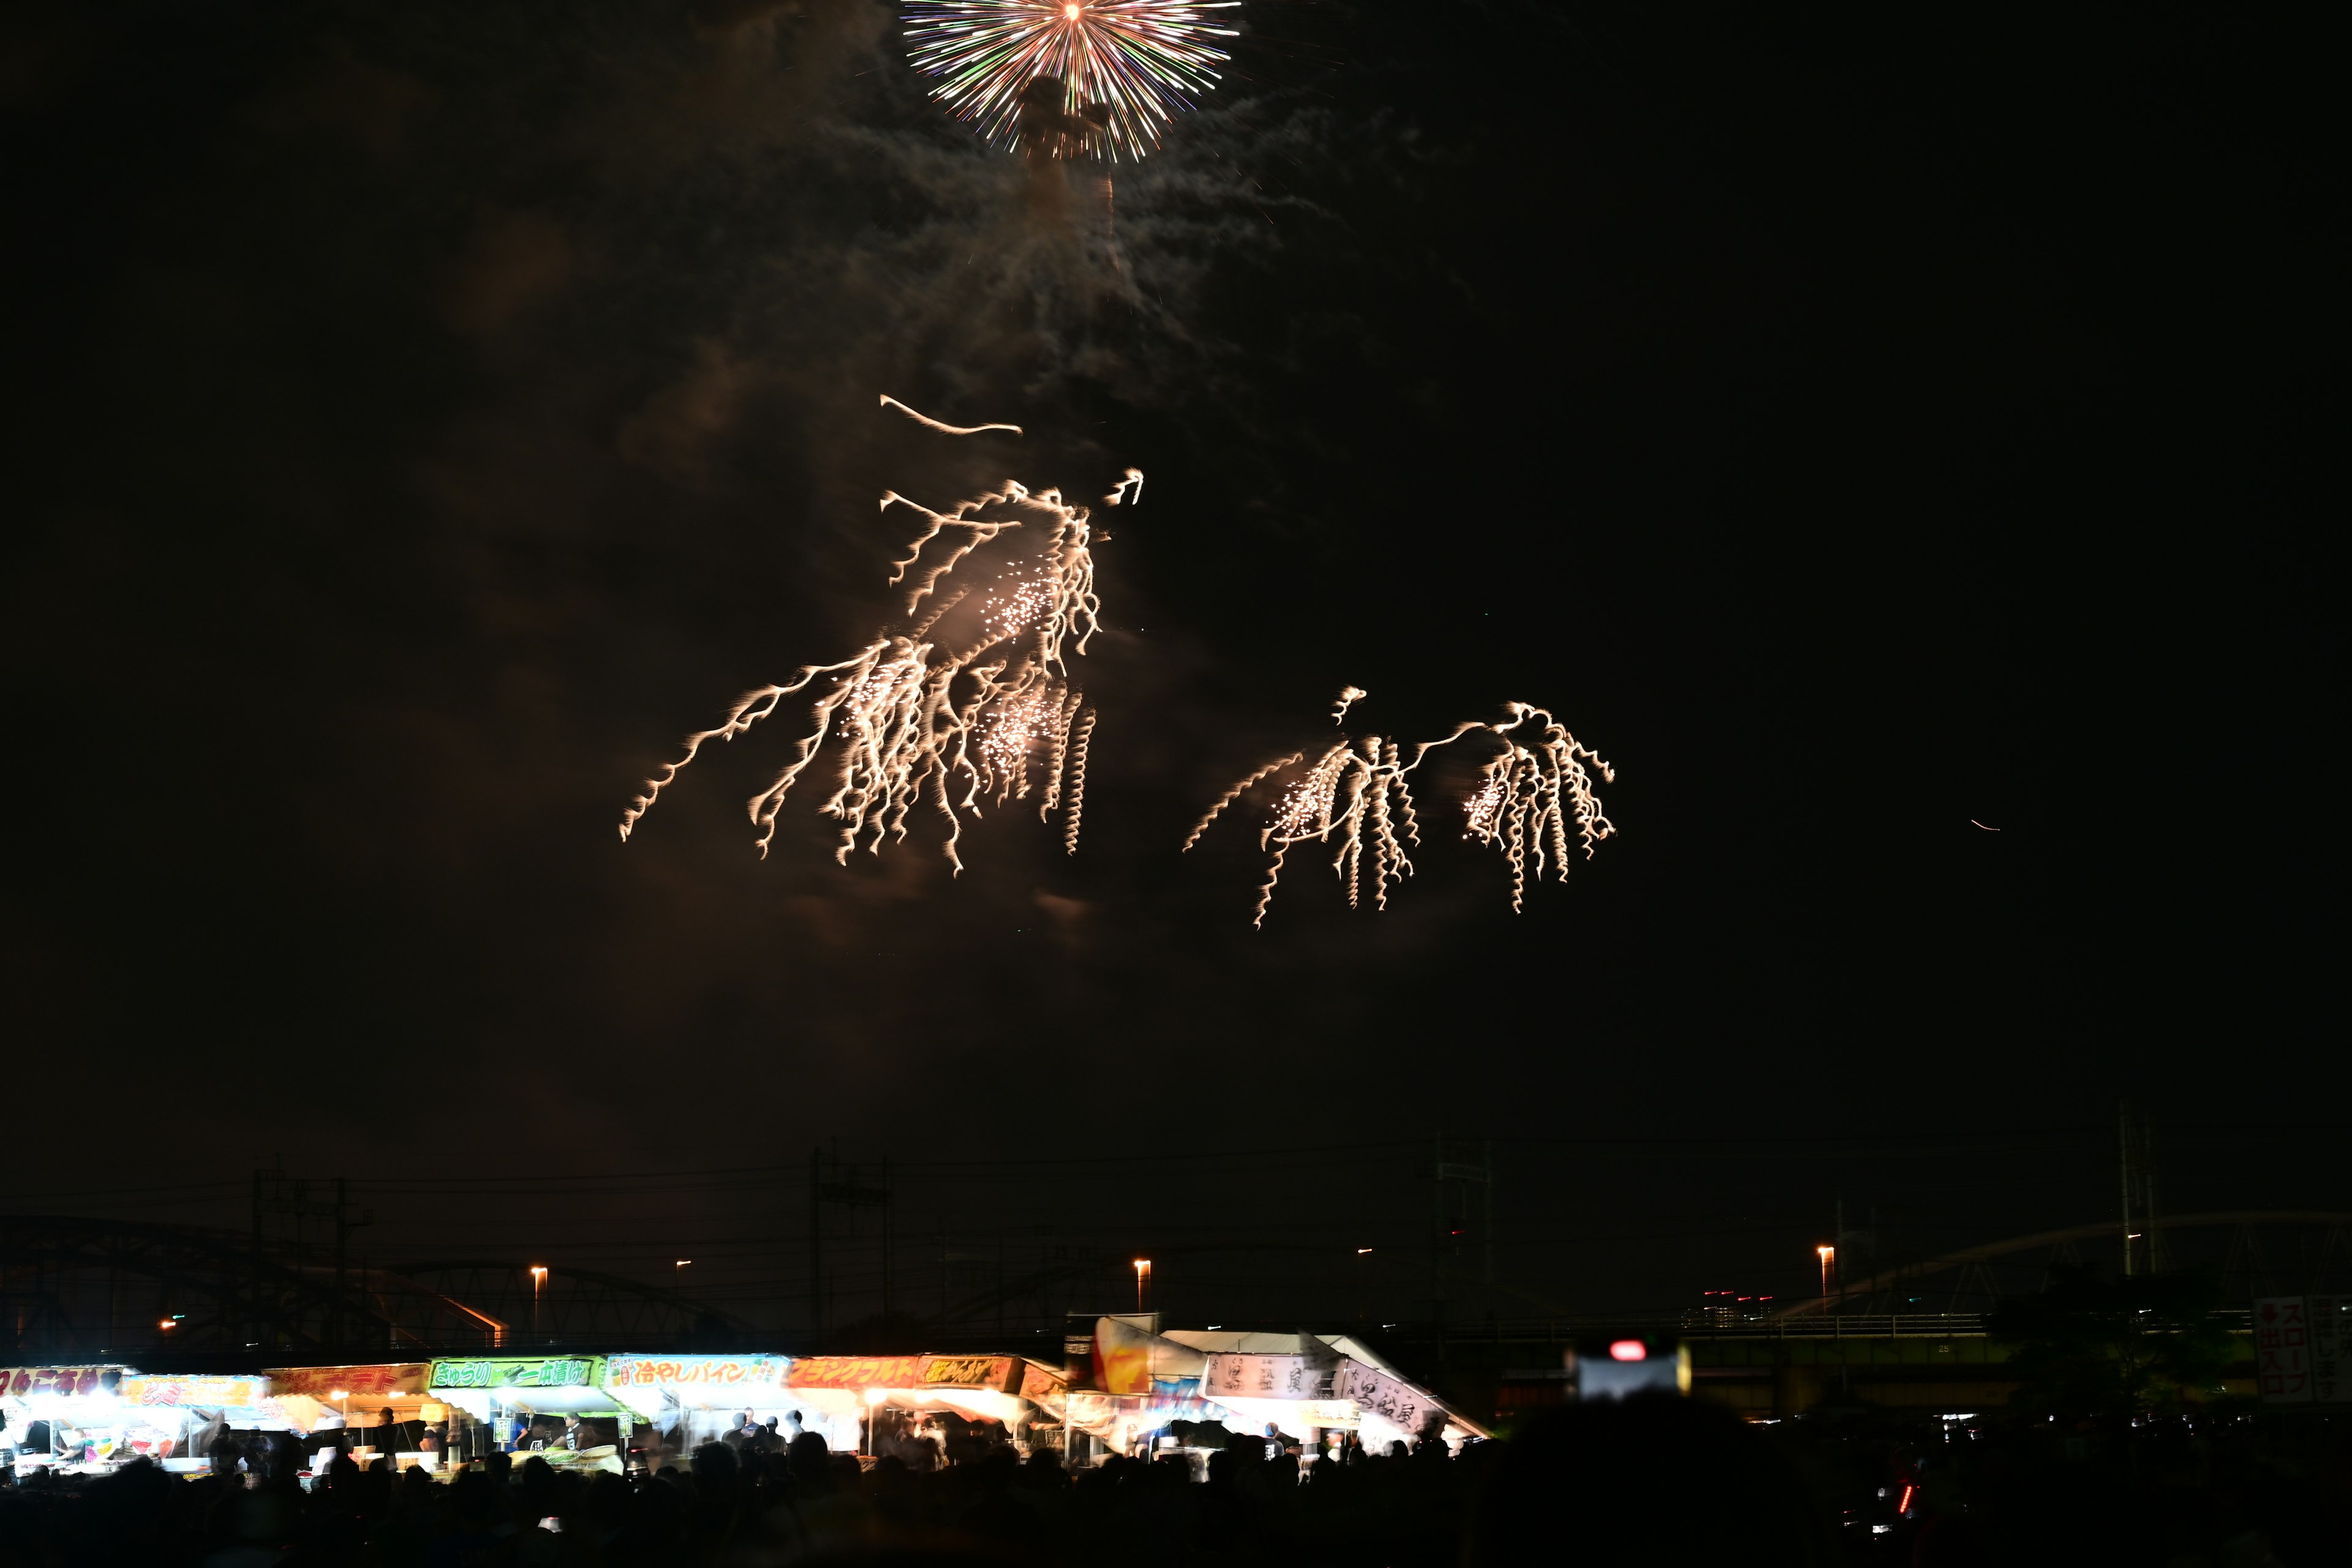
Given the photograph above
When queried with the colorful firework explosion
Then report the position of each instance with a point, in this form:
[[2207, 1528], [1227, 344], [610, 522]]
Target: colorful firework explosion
[[1123, 67]]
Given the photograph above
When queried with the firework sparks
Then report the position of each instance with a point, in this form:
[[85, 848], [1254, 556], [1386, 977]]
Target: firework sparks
[[1356, 795], [916, 717], [1109, 74], [1526, 795]]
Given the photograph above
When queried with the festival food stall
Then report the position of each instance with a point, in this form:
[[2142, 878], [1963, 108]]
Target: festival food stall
[[693, 1399], [63, 1418], [1308, 1385], [865, 1404], [517, 1404], [174, 1421], [1142, 1392], [382, 1408]]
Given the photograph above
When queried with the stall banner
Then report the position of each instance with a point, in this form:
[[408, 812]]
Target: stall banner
[[1398, 1403], [996, 1373], [386, 1381], [1122, 1357], [746, 1371], [518, 1372], [210, 1393], [72, 1382], [1043, 1387], [1233, 1374], [857, 1372]]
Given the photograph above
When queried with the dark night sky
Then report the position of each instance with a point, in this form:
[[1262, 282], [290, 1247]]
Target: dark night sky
[[423, 414]]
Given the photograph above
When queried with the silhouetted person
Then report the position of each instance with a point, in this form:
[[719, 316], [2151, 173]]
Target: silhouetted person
[[1647, 1480]]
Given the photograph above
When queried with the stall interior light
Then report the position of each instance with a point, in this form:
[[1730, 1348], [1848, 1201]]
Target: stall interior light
[[1628, 1350], [877, 1395]]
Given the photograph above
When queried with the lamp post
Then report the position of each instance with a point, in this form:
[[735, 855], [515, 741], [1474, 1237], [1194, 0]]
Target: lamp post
[[1828, 1257], [874, 1398], [538, 1279], [1142, 1276], [1361, 1253]]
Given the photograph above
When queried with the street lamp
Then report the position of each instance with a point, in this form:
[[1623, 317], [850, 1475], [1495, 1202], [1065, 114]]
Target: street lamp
[[874, 1396], [538, 1279], [1142, 1274], [1828, 1256], [1361, 1253]]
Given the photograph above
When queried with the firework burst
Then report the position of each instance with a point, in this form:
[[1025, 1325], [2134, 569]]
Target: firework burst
[[919, 718], [1526, 795], [1070, 77], [1356, 795]]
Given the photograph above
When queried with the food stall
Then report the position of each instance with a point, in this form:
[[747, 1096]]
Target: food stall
[[689, 1400], [517, 1404], [1310, 1385], [1143, 1389], [65, 1418], [865, 1404], [174, 1421], [382, 1408]]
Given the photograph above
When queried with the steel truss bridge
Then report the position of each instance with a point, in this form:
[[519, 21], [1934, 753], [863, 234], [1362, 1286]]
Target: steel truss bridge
[[95, 1290]]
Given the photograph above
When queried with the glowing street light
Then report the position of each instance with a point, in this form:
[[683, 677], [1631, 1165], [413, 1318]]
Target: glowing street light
[[538, 1279], [1828, 1256], [1143, 1275], [874, 1398]]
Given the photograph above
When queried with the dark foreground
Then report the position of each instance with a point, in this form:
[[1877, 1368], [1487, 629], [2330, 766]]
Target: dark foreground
[[1663, 1482]]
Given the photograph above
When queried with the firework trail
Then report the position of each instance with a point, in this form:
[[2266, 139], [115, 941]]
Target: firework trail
[[917, 719], [1356, 794], [1068, 76], [890, 402]]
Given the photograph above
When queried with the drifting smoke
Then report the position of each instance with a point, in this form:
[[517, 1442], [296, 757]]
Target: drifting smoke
[[1356, 794], [916, 720]]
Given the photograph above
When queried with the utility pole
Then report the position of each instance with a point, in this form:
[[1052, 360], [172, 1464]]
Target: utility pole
[[2135, 1154], [816, 1254], [275, 1196], [846, 1194], [1461, 1174]]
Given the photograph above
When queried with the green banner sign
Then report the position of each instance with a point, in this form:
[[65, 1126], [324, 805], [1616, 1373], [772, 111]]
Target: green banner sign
[[518, 1372]]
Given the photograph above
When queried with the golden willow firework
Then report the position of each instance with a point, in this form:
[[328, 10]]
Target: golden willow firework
[[988, 716], [1356, 794], [1115, 71]]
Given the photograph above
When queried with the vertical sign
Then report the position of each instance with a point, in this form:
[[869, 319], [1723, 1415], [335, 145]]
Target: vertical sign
[[2282, 1350]]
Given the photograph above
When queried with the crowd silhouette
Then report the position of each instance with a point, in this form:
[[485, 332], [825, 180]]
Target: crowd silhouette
[[1648, 1481]]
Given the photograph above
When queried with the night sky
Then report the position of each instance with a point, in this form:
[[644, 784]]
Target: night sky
[[422, 415]]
